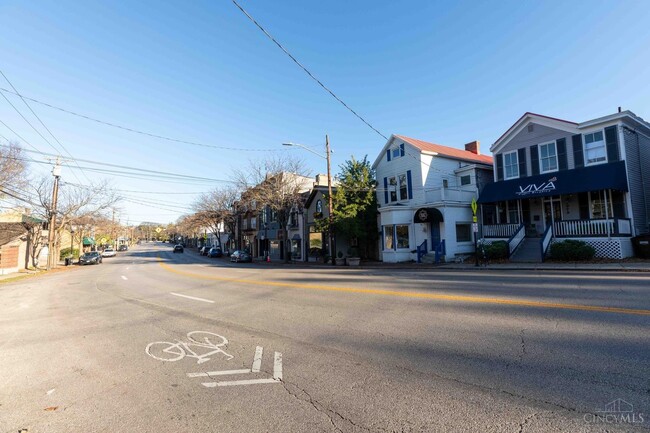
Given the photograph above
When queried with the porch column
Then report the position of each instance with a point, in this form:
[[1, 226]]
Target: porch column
[[519, 213], [609, 230], [552, 216]]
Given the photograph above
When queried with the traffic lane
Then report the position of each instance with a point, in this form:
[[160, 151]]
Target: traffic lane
[[549, 359], [323, 389]]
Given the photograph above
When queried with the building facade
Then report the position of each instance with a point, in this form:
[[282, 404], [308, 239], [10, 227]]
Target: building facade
[[424, 193], [556, 179]]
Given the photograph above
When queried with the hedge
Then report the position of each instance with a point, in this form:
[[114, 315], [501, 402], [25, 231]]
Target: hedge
[[65, 253], [572, 250], [497, 250]]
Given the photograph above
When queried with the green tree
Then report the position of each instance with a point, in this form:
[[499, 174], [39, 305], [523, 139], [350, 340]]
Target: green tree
[[355, 205]]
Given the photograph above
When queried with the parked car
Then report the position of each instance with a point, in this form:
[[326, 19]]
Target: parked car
[[215, 252], [204, 251], [241, 256], [178, 248], [109, 252], [123, 248], [90, 258]]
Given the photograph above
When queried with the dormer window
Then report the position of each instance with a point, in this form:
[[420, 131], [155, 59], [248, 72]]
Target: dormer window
[[511, 165], [396, 152]]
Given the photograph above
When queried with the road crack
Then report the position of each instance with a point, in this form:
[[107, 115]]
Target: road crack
[[522, 352]]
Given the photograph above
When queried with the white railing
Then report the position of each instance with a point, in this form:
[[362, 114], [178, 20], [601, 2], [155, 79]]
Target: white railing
[[516, 239], [599, 227], [499, 230], [546, 240], [449, 194]]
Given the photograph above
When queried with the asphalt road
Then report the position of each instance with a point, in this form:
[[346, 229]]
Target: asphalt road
[[321, 349]]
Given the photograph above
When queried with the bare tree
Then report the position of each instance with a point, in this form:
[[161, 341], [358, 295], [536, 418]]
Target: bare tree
[[214, 210], [12, 169], [76, 204], [276, 183]]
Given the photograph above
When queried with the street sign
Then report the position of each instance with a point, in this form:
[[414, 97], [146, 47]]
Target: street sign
[[158, 230], [474, 219], [475, 227], [474, 206]]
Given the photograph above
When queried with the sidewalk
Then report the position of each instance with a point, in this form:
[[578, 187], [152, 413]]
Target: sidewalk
[[26, 273], [614, 266]]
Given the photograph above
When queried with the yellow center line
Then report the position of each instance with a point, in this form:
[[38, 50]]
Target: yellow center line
[[407, 294]]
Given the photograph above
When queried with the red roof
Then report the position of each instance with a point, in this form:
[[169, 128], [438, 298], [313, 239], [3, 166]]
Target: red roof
[[451, 152]]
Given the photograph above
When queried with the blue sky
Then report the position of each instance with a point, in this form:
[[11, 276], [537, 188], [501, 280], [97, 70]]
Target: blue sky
[[445, 72]]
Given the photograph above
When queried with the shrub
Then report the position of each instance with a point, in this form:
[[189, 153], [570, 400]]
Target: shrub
[[571, 250], [64, 253], [497, 250]]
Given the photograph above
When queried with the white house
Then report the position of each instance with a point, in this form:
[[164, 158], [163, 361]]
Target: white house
[[424, 192]]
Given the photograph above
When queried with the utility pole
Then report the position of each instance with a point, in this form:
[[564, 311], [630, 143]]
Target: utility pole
[[56, 172], [329, 191]]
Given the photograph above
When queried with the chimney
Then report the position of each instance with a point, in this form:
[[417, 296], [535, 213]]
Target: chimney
[[619, 109], [474, 147]]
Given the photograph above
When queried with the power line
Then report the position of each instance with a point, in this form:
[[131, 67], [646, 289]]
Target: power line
[[136, 131], [39, 119], [259, 26]]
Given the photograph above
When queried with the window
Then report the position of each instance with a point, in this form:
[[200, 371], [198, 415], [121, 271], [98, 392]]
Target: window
[[465, 180], [274, 215], [389, 243], [598, 205], [392, 187], [319, 206], [547, 157], [402, 235], [396, 153], [402, 187], [463, 232], [253, 223], [595, 148], [513, 212], [511, 165]]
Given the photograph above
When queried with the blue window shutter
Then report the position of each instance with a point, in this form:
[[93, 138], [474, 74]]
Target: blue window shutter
[[578, 155], [561, 154], [401, 149], [521, 155], [611, 140], [499, 167], [385, 190], [534, 160], [408, 184], [388, 155]]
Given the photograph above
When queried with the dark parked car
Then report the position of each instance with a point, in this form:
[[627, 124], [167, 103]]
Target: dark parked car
[[204, 251], [178, 248], [240, 256], [123, 248], [90, 258], [215, 252]]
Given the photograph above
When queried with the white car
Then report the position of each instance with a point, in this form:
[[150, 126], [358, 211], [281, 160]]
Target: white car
[[109, 252]]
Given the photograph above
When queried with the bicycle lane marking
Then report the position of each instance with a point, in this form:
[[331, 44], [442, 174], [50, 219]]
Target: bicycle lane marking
[[420, 295]]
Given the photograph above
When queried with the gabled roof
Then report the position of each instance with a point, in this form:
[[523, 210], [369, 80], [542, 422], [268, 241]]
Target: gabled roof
[[317, 188], [444, 151], [532, 117], [447, 151]]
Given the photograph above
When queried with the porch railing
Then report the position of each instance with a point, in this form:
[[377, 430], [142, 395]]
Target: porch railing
[[516, 239], [499, 230], [434, 195], [545, 242], [593, 228], [421, 250]]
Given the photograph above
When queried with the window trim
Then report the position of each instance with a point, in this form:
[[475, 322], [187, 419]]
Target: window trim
[[539, 156], [393, 150], [463, 223], [468, 176], [397, 191], [505, 166], [584, 147]]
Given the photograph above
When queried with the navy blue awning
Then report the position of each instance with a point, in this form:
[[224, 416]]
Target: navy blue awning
[[603, 176]]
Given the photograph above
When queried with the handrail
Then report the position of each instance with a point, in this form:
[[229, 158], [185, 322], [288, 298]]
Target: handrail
[[441, 249], [516, 239], [421, 250], [545, 242]]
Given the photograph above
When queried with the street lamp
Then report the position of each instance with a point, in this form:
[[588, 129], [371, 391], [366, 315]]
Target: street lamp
[[329, 187]]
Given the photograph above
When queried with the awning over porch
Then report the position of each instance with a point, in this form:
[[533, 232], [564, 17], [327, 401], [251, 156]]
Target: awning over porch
[[428, 215], [603, 176]]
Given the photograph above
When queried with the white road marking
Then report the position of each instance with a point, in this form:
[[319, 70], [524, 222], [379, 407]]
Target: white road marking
[[192, 297], [277, 366], [50, 391], [257, 363], [218, 373], [239, 382], [257, 359], [124, 278]]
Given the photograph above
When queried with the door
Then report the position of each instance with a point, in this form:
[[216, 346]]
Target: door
[[435, 235], [552, 207]]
